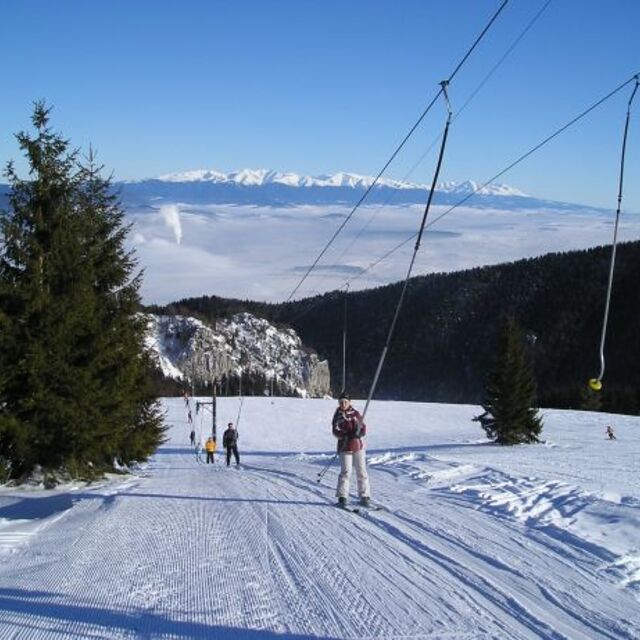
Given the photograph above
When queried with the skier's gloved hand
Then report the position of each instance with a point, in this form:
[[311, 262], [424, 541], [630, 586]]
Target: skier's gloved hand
[[358, 430]]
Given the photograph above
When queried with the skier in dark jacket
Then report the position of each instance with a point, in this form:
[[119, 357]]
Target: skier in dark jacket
[[230, 443], [349, 429]]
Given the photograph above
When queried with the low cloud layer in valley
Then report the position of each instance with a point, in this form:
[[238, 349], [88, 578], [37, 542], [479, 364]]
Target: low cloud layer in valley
[[261, 252]]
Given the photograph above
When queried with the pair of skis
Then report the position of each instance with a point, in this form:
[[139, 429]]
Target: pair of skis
[[360, 509]]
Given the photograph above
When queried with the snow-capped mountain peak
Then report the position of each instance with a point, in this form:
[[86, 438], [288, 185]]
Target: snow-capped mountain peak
[[263, 177], [470, 186]]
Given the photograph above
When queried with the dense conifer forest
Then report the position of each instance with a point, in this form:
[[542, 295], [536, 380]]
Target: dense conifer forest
[[447, 334]]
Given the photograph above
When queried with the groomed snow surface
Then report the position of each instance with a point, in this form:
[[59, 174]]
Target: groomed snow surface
[[475, 541]]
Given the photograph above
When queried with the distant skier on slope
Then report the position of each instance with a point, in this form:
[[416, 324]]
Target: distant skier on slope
[[192, 437], [486, 420], [198, 448], [230, 443], [609, 433], [210, 448], [349, 429]]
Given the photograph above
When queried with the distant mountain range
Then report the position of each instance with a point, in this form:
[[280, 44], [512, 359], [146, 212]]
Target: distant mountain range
[[272, 188], [264, 187], [263, 177]]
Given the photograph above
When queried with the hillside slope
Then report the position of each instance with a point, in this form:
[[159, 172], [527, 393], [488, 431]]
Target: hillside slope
[[447, 332], [478, 541]]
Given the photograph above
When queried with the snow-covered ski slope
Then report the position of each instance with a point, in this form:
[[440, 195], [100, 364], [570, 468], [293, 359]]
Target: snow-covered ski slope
[[476, 541]]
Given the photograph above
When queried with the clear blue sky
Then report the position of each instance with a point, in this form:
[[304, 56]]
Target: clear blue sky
[[319, 87]]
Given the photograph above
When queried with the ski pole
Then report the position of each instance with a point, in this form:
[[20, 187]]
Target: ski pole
[[327, 466], [335, 455]]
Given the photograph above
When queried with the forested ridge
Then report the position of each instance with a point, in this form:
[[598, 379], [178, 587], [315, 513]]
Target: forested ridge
[[447, 332]]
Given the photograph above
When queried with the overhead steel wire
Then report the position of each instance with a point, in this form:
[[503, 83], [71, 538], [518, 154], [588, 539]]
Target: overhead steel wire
[[344, 341], [486, 78], [516, 162], [413, 257], [513, 164], [398, 149], [474, 93], [596, 383]]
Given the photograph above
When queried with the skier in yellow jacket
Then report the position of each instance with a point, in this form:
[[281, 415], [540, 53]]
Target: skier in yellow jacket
[[210, 448]]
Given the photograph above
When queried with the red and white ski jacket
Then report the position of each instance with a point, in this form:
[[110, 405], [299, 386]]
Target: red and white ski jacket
[[348, 427]]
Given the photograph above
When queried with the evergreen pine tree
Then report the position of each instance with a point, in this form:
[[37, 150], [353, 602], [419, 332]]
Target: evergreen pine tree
[[73, 380], [131, 425], [34, 391], [510, 417]]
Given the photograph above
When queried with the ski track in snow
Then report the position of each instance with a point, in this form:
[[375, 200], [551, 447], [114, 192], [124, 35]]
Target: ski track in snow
[[463, 549]]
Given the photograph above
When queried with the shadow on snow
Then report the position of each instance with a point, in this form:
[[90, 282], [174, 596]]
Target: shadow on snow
[[41, 608]]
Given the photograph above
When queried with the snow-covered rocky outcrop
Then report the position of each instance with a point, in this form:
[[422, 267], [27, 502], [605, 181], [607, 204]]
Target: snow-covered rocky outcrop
[[243, 347]]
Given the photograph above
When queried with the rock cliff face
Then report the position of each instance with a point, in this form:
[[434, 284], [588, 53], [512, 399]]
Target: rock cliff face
[[243, 354]]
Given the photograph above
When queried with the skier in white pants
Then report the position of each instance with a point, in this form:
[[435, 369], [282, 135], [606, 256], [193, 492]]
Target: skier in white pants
[[348, 427]]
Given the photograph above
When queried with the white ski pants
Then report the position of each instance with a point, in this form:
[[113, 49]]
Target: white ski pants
[[347, 461]]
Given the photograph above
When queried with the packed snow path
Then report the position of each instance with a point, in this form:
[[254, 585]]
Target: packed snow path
[[466, 548]]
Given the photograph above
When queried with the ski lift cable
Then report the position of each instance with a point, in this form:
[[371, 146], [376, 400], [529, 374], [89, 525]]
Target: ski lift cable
[[415, 251], [344, 341], [596, 383], [189, 413], [473, 94], [496, 176], [484, 81], [362, 198], [534, 149], [487, 77], [200, 429], [239, 412], [398, 149], [506, 54]]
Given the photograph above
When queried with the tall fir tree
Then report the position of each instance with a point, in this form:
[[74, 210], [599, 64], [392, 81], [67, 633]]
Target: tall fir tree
[[510, 416], [73, 371], [124, 393]]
